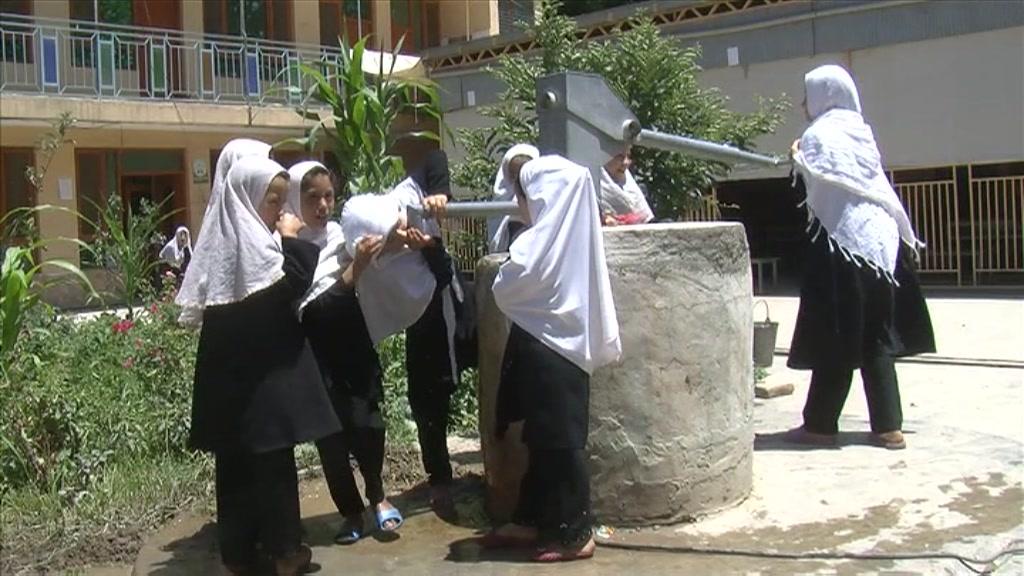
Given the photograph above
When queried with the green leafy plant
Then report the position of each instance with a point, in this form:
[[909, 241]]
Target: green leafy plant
[[654, 75], [125, 243], [363, 111], [19, 289], [22, 264]]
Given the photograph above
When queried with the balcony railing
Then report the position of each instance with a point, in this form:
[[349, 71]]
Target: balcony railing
[[86, 59]]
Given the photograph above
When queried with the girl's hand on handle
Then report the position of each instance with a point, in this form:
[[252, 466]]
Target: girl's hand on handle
[[436, 205]]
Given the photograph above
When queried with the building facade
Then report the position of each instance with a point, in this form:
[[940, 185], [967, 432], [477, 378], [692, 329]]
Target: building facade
[[942, 83], [158, 86]]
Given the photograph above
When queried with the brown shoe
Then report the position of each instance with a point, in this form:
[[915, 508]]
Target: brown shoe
[[294, 564], [889, 440], [803, 436]]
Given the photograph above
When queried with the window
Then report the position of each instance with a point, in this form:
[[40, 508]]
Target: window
[[17, 39], [82, 42], [266, 19], [135, 175], [418, 21], [15, 189], [344, 17], [111, 11]]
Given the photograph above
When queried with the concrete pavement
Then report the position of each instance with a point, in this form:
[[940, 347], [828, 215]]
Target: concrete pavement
[[958, 488]]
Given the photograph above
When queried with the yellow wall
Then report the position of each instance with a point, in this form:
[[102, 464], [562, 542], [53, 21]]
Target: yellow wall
[[306, 22], [381, 13], [463, 19], [195, 145], [192, 16], [52, 9]]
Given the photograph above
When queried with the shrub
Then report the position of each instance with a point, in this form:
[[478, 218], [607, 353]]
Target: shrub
[[654, 75], [90, 392]]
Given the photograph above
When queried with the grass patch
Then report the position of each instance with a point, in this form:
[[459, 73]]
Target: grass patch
[[43, 531]]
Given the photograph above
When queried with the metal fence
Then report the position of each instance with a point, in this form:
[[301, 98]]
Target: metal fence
[[87, 59], [997, 224], [932, 208], [466, 240]]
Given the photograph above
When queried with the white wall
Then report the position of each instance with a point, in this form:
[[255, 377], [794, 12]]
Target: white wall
[[938, 102], [952, 100]]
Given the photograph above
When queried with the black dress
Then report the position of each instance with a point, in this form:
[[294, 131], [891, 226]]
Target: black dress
[[552, 396], [428, 365], [257, 387], [849, 315], [545, 390], [348, 361]]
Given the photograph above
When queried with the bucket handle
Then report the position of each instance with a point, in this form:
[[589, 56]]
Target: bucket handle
[[767, 314]]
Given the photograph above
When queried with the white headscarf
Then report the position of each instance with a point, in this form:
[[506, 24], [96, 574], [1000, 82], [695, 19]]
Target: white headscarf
[[395, 288], [333, 257], [231, 153], [322, 237], [847, 190], [237, 254], [173, 254], [555, 284], [504, 190], [625, 199]]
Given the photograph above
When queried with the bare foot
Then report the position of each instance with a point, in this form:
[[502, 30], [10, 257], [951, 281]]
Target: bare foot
[[567, 553]]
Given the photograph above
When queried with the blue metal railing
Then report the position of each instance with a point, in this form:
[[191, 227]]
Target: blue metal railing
[[88, 59]]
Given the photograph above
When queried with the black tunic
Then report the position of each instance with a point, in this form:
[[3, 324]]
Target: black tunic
[[257, 387], [545, 390], [348, 361], [848, 315]]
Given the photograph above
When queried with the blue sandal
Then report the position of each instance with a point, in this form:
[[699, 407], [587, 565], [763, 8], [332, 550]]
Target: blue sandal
[[391, 514]]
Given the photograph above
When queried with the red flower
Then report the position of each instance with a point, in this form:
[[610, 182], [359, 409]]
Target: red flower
[[153, 308], [122, 326]]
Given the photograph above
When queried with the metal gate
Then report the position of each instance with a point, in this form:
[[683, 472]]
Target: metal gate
[[997, 224], [932, 208]]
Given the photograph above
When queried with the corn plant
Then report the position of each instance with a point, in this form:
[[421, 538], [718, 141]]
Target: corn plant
[[363, 110], [19, 275], [125, 243]]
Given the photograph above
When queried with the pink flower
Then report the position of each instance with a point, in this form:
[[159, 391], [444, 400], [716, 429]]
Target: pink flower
[[153, 308], [128, 363], [122, 326]]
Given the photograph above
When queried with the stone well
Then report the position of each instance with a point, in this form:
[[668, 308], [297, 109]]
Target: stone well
[[671, 434]]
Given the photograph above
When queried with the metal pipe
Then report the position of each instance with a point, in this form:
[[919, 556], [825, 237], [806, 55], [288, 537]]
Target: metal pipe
[[481, 209], [702, 149], [415, 214]]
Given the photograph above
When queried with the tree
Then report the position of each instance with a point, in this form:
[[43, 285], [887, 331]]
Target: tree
[[654, 75]]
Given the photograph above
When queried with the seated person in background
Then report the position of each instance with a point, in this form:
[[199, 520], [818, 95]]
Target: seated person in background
[[622, 201]]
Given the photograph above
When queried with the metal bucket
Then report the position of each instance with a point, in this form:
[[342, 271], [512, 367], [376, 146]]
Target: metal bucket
[[764, 338]]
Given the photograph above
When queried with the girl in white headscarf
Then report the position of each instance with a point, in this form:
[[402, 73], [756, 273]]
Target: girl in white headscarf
[[622, 200], [233, 151], [334, 322], [502, 230], [257, 390], [860, 301], [178, 250], [555, 290]]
